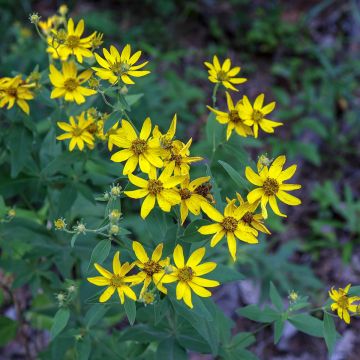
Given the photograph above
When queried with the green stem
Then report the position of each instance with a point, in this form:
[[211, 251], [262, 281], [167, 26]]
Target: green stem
[[216, 88]]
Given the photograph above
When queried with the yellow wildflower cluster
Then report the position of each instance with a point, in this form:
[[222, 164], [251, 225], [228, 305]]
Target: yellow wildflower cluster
[[154, 272]]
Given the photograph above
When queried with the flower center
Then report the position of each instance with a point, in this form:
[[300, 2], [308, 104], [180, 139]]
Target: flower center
[[177, 159], [71, 84], [155, 186], [166, 143], [119, 67], [229, 224], [186, 274], [72, 41], [222, 76], [203, 190], [12, 92], [248, 218], [271, 187], [138, 146], [151, 267], [116, 281], [343, 302], [257, 115], [234, 116], [77, 131], [92, 128], [185, 194]]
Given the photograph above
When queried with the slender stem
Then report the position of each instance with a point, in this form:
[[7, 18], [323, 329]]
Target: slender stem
[[105, 100], [216, 87]]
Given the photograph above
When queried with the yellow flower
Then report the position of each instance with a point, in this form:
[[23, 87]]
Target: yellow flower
[[73, 44], [343, 303], [140, 149], [224, 74], [190, 200], [50, 24], [77, 132], [232, 118], [156, 189], [115, 281], [151, 269], [182, 159], [188, 275], [167, 143], [109, 136], [255, 115], [229, 225], [115, 66], [60, 224], [15, 90], [270, 185], [68, 84], [249, 218], [63, 9]]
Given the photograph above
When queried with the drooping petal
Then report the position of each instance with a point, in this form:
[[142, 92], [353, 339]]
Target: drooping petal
[[140, 252], [106, 295]]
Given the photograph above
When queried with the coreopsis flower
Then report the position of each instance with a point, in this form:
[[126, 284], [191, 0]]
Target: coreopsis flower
[[270, 185], [254, 115], [117, 280], [16, 91], [49, 24], [224, 74], [190, 199], [140, 149], [188, 275], [110, 134], [115, 66], [250, 218], [67, 83], [73, 43], [228, 224], [343, 303], [77, 131], [152, 270], [156, 189], [182, 159], [232, 118]]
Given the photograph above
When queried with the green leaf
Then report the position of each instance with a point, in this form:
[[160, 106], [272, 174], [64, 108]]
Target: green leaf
[[307, 324], [225, 274], [215, 132], [100, 252], [235, 176], [253, 312], [243, 340], [191, 233], [95, 314], [329, 332], [278, 329], [113, 118], [130, 310], [61, 319], [133, 99], [8, 330], [83, 348], [275, 297], [170, 349]]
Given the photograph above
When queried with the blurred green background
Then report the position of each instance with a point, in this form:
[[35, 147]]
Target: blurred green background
[[302, 54]]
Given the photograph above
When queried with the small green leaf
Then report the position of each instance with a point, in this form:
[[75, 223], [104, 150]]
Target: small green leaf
[[133, 99], [8, 329], [253, 312], [170, 349], [100, 252], [275, 297], [130, 310], [113, 118], [61, 319], [95, 314], [329, 332], [235, 176], [278, 329], [307, 324], [191, 233]]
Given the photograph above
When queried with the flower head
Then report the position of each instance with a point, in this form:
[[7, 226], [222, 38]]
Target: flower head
[[190, 199], [60, 224], [232, 118], [116, 280], [15, 90], [115, 66], [152, 269], [188, 275], [228, 224], [73, 43], [156, 189], [77, 131], [140, 149], [224, 74], [254, 115], [270, 185], [67, 83], [343, 303]]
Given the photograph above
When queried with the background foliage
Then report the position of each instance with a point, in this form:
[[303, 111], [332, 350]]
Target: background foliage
[[305, 55]]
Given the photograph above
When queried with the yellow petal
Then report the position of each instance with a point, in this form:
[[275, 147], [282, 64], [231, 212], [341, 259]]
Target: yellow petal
[[106, 295], [179, 256], [99, 280], [103, 271], [211, 212], [147, 205], [196, 257], [116, 263]]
